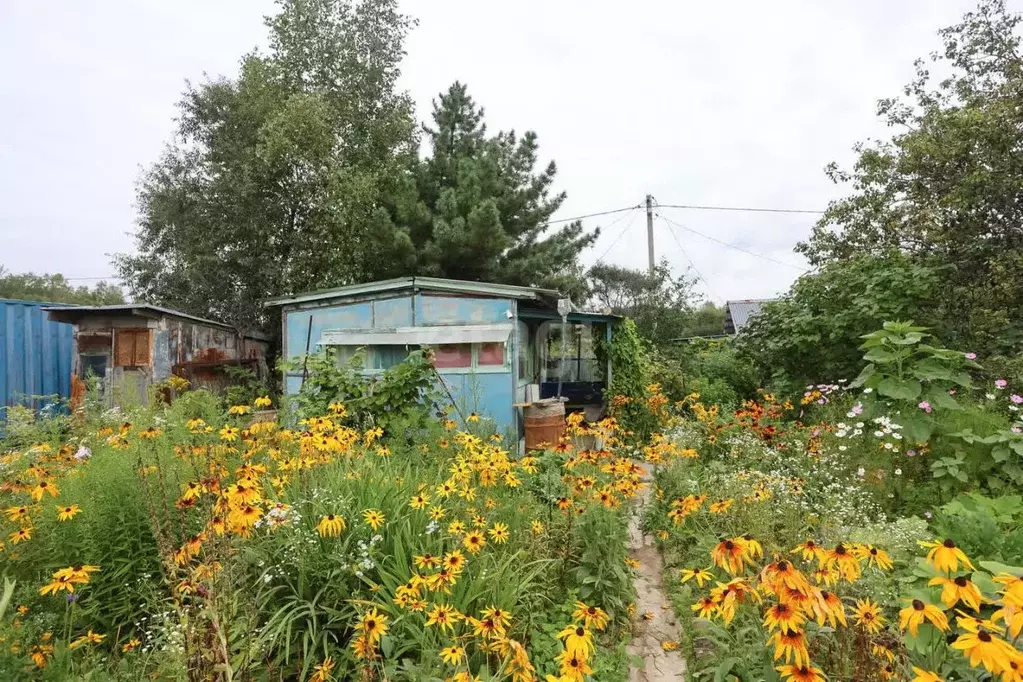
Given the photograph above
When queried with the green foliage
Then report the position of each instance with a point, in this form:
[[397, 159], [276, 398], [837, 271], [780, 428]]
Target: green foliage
[[275, 178], [906, 374], [630, 376], [601, 574], [659, 304], [989, 529], [303, 172], [403, 393], [56, 289], [811, 335], [711, 367], [945, 189]]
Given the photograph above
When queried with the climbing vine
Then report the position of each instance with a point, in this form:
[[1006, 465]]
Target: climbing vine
[[630, 377]]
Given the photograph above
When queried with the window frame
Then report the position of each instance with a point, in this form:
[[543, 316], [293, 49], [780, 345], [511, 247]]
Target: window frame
[[475, 367]]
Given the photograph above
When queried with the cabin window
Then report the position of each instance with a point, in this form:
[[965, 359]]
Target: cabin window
[[580, 363], [490, 355], [452, 356]]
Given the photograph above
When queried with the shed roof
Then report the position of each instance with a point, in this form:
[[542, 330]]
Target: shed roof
[[73, 314], [419, 284], [738, 313]]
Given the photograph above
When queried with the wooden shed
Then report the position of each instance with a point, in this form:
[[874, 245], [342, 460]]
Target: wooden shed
[[128, 348]]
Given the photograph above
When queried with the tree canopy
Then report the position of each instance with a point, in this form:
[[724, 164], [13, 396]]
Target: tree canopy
[[660, 304], [303, 172], [56, 288], [947, 188]]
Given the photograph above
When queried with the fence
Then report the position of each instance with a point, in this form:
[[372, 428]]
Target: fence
[[35, 356]]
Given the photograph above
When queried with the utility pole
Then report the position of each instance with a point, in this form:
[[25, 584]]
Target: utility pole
[[650, 231]]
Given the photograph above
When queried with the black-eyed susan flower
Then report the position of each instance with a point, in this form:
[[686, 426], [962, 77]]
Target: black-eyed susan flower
[[721, 506], [783, 616], [322, 672], [700, 575], [426, 561], [842, 559], [917, 612], [373, 625], [452, 655], [330, 525], [578, 641], [801, 673], [705, 607], [263, 402], [456, 528], [828, 606], [730, 554], [44, 487], [239, 409], [374, 518], [67, 513], [89, 637], [131, 645], [591, 616], [809, 550], [443, 616], [229, 434], [945, 556], [16, 513], [987, 649], [954, 590], [454, 560], [921, 675], [419, 501], [499, 533], [474, 541], [572, 667], [20, 535], [868, 615], [790, 644]]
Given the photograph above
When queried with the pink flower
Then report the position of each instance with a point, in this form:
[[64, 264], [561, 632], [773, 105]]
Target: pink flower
[[971, 356], [1016, 429], [925, 406], [1016, 399], [951, 391], [1001, 383], [856, 409], [910, 453]]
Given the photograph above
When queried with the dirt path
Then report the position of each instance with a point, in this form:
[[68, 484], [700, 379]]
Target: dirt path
[[658, 665]]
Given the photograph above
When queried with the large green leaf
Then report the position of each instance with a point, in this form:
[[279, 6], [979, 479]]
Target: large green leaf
[[865, 374], [900, 389], [995, 568]]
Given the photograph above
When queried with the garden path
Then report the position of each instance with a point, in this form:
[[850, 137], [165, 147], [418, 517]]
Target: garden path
[[658, 665]]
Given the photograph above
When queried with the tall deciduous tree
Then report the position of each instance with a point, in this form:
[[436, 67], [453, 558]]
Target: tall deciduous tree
[[660, 304], [947, 188], [275, 179], [483, 208]]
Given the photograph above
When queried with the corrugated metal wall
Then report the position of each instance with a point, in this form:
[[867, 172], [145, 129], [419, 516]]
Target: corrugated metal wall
[[35, 354]]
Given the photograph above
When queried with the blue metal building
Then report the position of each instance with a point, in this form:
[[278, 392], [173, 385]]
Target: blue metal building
[[493, 344], [35, 356]]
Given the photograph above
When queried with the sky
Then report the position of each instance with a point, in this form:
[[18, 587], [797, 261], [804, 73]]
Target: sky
[[696, 103]]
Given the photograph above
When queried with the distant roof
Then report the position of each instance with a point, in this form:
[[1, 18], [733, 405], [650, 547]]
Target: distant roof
[[72, 314], [738, 313], [420, 284]]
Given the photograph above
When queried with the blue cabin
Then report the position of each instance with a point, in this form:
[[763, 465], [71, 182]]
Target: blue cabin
[[495, 346]]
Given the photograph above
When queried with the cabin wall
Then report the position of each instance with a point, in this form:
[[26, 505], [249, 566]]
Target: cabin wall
[[490, 392]]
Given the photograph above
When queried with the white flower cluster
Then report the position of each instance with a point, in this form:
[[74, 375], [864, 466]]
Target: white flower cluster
[[279, 515]]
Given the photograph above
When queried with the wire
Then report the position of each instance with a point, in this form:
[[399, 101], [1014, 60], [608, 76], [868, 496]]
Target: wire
[[732, 246], [747, 209], [690, 260], [622, 232], [593, 215]]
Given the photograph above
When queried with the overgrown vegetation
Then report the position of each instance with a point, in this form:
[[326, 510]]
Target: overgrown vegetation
[[370, 539]]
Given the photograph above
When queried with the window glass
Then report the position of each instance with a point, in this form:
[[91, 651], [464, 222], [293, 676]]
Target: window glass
[[448, 356], [385, 357], [491, 355], [525, 353]]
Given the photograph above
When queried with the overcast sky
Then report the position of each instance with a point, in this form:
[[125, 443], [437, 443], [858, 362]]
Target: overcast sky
[[710, 103]]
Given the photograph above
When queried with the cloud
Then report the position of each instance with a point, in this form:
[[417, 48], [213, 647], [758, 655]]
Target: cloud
[[695, 103]]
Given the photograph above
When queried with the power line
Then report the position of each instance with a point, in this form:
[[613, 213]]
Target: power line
[[690, 260], [625, 229], [592, 215], [733, 246], [745, 209]]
